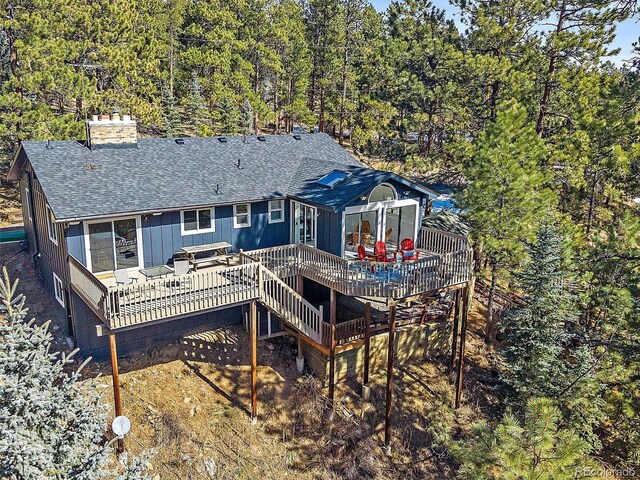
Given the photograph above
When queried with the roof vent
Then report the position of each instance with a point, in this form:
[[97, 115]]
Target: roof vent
[[180, 141], [239, 165], [297, 137], [49, 144], [222, 139], [262, 138]]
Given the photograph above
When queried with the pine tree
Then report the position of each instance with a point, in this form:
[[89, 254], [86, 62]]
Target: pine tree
[[537, 335], [246, 118], [171, 123], [195, 109], [508, 193], [538, 447], [228, 116], [52, 424]]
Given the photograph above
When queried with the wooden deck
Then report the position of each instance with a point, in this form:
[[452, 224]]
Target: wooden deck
[[445, 260], [263, 276]]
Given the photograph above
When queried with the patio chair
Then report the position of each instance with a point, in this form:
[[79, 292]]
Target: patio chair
[[408, 250], [381, 253], [181, 266], [387, 234], [122, 277]]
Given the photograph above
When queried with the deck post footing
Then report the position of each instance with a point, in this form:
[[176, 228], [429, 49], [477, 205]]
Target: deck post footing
[[300, 364], [366, 392]]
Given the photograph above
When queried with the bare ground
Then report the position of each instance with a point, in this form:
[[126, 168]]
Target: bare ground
[[189, 401]]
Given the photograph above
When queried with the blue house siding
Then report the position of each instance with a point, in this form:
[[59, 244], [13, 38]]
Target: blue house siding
[[329, 234], [162, 236]]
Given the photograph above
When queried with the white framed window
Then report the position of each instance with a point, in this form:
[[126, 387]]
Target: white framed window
[[242, 215], [58, 289], [201, 220], [51, 226], [276, 211]]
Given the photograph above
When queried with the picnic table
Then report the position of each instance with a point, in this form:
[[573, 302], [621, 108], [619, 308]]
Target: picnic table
[[217, 252]]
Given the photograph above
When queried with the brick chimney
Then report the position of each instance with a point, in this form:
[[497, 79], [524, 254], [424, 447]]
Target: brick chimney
[[106, 131]]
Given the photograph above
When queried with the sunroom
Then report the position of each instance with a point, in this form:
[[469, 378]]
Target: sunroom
[[354, 209]]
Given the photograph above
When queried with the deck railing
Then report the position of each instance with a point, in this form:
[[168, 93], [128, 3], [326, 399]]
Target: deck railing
[[94, 293], [181, 295], [439, 241], [289, 305], [445, 261], [263, 275], [128, 305], [281, 260]]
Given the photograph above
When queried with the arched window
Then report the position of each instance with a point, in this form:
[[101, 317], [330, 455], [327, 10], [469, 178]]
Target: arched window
[[382, 193]]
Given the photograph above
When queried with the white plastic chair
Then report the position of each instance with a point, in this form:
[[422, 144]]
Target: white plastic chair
[[122, 277], [181, 267]]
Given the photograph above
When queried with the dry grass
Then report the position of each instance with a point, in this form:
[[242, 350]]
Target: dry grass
[[190, 402]]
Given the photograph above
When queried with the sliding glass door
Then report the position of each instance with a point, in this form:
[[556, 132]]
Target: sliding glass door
[[361, 229], [304, 224], [400, 223], [113, 245]]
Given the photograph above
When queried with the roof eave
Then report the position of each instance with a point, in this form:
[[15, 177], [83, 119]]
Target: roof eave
[[16, 166], [160, 210]]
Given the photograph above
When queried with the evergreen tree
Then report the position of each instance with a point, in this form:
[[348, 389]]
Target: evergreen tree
[[538, 447], [246, 118], [539, 349], [507, 194], [52, 424], [228, 116], [171, 123], [195, 109]]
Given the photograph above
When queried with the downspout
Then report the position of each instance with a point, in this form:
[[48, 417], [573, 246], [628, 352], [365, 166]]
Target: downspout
[[35, 222]]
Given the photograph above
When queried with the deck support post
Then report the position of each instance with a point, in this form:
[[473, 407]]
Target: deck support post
[[300, 357], [366, 389], [454, 337], [387, 417], [115, 375], [463, 337], [253, 333], [300, 285], [332, 344]]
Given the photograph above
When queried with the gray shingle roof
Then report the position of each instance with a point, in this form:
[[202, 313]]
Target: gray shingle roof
[[160, 174]]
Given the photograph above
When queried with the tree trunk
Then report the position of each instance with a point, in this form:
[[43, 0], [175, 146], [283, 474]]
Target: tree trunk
[[321, 125], [491, 327], [493, 103], [548, 84], [345, 62], [592, 197]]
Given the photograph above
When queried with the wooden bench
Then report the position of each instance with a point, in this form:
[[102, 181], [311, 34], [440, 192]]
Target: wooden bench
[[217, 254], [212, 260]]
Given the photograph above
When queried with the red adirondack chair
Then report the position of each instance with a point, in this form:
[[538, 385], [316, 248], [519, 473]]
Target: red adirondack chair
[[381, 253], [362, 254], [408, 250]]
